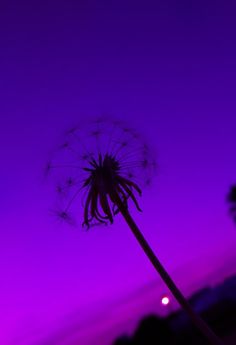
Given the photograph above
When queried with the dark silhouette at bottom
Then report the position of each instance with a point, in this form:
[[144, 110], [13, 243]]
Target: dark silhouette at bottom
[[216, 306]]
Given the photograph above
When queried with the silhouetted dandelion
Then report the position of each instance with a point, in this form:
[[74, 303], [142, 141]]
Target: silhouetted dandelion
[[109, 163], [102, 160]]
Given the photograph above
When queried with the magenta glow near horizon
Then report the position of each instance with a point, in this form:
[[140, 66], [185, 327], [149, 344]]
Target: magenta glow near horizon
[[168, 71]]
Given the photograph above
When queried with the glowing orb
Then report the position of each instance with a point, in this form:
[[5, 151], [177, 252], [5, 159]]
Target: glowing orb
[[165, 300]]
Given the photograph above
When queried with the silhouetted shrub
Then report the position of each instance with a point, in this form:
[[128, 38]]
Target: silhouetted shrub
[[153, 330]]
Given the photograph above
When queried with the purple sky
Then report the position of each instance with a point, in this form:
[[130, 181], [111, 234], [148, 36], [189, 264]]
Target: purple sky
[[168, 68]]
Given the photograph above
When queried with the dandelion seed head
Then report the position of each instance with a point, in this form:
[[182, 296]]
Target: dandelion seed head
[[92, 159]]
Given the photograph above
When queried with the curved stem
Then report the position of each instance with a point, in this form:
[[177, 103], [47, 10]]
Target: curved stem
[[196, 319]]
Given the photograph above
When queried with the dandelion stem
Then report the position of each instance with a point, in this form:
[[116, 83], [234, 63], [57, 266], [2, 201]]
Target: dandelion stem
[[196, 319]]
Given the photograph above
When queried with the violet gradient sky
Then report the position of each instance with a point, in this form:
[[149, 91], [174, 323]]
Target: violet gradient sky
[[169, 69]]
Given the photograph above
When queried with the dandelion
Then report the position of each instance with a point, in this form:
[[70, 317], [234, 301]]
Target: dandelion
[[110, 164], [104, 160]]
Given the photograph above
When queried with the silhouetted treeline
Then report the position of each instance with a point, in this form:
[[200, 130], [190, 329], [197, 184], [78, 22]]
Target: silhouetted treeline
[[216, 306]]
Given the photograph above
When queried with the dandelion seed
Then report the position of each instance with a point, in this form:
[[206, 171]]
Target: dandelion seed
[[64, 216], [70, 182], [48, 169]]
